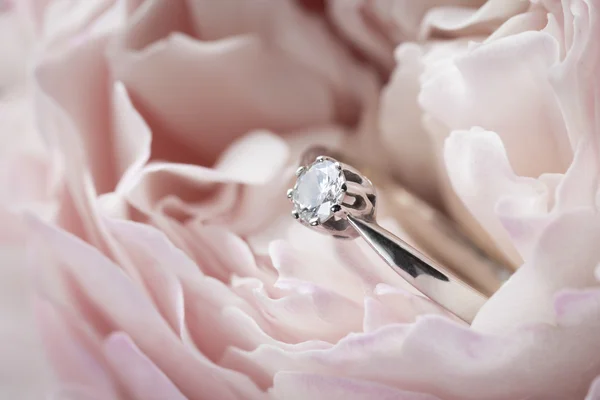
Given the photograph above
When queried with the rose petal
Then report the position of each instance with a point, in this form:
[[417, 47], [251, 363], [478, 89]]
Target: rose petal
[[298, 386], [368, 34], [75, 353], [445, 359], [131, 140], [535, 19], [400, 121], [85, 68], [225, 254], [16, 45], [307, 311], [302, 37], [471, 91], [481, 175], [456, 20], [210, 194], [25, 369], [575, 83], [306, 81], [113, 302], [64, 20], [211, 304], [565, 256], [74, 392], [140, 377], [594, 393], [390, 305], [76, 194], [150, 253]]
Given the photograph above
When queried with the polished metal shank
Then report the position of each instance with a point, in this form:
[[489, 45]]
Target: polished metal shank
[[355, 217], [420, 271]]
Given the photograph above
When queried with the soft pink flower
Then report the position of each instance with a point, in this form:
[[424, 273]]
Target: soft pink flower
[[151, 231]]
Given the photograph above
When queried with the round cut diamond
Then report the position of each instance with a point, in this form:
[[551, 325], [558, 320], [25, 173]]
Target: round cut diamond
[[317, 189]]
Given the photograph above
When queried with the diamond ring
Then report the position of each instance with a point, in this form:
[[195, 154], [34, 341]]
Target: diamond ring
[[332, 197]]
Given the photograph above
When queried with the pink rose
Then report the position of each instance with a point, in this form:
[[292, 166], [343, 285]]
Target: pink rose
[[148, 148]]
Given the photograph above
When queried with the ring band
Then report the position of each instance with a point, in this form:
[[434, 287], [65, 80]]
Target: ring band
[[334, 198]]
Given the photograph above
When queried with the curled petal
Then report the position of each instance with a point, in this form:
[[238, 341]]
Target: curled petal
[[390, 305], [324, 268], [594, 392], [234, 191], [400, 122], [359, 21], [131, 140], [299, 386], [149, 253], [565, 256], [75, 353], [483, 178], [458, 20], [576, 84], [140, 377], [579, 187], [110, 301], [309, 76], [472, 90], [87, 142], [448, 360], [74, 392]]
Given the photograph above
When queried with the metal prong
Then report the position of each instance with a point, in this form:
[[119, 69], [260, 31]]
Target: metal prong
[[336, 208], [344, 187], [295, 214], [290, 193], [320, 158], [300, 170], [314, 222], [338, 166]]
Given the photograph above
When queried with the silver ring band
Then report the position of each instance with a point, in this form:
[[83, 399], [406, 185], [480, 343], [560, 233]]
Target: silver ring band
[[334, 198]]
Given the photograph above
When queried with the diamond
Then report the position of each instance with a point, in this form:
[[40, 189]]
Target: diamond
[[318, 188]]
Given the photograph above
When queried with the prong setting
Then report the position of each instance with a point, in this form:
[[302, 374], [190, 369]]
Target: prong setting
[[317, 193], [338, 166], [336, 208], [344, 187]]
